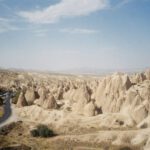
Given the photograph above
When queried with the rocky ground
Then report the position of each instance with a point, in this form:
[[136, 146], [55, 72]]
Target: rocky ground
[[86, 112]]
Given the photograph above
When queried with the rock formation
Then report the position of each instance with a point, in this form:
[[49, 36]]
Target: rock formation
[[110, 92], [103, 107], [21, 100], [50, 102], [89, 109], [86, 96], [30, 96]]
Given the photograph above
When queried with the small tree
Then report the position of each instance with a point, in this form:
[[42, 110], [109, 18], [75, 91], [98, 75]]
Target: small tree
[[34, 133], [42, 131]]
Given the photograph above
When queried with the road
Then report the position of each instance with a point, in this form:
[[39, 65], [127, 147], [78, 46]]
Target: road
[[7, 108]]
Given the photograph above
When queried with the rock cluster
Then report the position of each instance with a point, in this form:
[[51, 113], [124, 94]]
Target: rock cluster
[[21, 100], [88, 96]]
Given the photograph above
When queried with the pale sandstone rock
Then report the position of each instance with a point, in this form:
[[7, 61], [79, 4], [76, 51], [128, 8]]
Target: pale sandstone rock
[[89, 109], [139, 139], [147, 74], [139, 113], [140, 77], [110, 90], [124, 104], [147, 146], [59, 93], [42, 93], [21, 100], [30, 96], [50, 102], [82, 97]]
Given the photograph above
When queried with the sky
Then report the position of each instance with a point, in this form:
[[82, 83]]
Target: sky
[[73, 34]]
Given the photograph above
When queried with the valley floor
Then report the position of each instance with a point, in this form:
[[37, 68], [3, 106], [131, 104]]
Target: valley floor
[[99, 140]]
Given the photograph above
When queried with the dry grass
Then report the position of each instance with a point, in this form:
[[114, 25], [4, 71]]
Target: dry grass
[[1, 111], [19, 134]]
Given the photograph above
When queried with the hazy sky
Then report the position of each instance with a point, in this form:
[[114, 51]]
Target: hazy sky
[[71, 34]]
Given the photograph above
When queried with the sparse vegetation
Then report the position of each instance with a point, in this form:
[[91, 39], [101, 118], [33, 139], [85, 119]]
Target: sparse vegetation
[[1, 111], [42, 131], [34, 133], [1, 107], [76, 127], [1, 101], [125, 148], [15, 98]]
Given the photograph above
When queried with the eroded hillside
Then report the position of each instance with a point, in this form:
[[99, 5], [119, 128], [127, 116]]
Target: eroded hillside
[[109, 110]]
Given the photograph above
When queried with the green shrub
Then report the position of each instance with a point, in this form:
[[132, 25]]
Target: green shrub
[[125, 148], [34, 133], [42, 131]]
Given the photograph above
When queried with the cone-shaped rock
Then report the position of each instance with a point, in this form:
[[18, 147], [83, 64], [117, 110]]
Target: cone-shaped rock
[[21, 100]]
